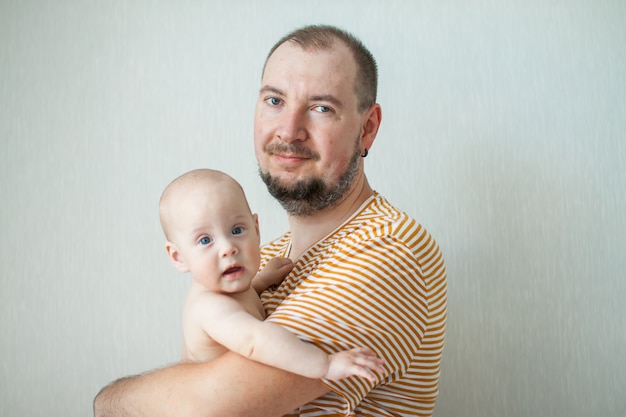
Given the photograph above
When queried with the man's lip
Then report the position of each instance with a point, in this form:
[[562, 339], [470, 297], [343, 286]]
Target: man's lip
[[290, 158], [289, 155]]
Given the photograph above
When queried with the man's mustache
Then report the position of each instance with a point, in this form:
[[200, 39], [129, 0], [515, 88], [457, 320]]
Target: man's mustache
[[296, 149]]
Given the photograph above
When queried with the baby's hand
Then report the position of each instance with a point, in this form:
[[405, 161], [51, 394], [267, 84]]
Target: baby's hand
[[272, 274], [358, 361]]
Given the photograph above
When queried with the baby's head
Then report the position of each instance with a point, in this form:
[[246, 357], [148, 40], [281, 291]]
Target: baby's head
[[178, 197], [210, 230]]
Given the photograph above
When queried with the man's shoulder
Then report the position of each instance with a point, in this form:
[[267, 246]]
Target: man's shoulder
[[385, 219], [380, 210], [382, 227]]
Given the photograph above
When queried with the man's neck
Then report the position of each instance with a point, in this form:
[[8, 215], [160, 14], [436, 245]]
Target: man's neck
[[308, 230]]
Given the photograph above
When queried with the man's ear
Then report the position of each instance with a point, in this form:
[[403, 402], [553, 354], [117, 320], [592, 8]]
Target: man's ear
[[175, 257], [371, 122]]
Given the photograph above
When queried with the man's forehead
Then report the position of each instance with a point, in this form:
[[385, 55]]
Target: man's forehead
[[290, 64], [284, 53]]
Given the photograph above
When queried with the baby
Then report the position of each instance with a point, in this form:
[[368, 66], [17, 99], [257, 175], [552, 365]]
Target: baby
[[212, 234]]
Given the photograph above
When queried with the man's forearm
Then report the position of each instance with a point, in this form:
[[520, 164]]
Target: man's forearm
[[174, 391], [109, 401], [140, 395], [228, 386]]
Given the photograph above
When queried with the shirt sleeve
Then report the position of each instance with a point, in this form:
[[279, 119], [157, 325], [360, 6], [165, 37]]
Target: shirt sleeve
[[370, 293]]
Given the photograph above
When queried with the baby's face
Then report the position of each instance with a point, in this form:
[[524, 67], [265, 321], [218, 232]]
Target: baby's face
[[217, 237]]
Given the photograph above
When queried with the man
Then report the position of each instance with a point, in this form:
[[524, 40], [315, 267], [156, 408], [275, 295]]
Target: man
[[366, 274]]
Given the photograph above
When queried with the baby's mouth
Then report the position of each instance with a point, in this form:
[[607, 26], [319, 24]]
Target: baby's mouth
[[232, 271]]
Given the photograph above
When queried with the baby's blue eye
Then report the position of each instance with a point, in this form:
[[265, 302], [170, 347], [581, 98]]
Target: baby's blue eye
[[237, 230], [205, 240]]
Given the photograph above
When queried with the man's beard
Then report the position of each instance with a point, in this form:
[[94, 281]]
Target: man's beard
[[312, 194]]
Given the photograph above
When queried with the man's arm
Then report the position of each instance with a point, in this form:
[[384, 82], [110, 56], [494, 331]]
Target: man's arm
[[227, 386]]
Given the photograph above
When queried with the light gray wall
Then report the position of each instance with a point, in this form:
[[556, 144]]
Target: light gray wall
[[503, 133]]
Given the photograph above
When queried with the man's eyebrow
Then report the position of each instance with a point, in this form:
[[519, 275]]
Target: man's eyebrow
[[328, 98], [270, 89]]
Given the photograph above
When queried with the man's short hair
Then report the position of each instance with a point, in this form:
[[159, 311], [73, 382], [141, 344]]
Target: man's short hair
[[322, 37]]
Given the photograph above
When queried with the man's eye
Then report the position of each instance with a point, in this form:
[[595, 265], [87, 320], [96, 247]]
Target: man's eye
[[323, 109], [237, 230], [205, 240], [273, 101]]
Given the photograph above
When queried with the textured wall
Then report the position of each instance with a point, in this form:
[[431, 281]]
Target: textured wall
[[502, 133]]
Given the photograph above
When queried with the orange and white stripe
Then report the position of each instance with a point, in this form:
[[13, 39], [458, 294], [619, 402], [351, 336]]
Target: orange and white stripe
[[378, 281]]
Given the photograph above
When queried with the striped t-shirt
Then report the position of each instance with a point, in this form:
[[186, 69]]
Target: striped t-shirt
[[378, 281]]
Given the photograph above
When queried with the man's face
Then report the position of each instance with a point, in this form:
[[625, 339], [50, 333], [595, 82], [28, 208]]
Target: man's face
[[307, 127]]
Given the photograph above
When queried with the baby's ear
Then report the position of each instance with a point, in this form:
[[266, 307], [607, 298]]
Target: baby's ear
[[256, 224], [175, 257]]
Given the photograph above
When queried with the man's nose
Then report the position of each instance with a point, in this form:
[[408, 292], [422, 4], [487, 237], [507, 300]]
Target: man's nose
[[292, 126]]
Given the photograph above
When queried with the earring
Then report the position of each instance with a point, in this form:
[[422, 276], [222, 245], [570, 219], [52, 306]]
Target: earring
[[364, 154]]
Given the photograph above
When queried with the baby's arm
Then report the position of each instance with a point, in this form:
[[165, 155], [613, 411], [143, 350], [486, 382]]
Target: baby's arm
[[273, 345], [272, 274]]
